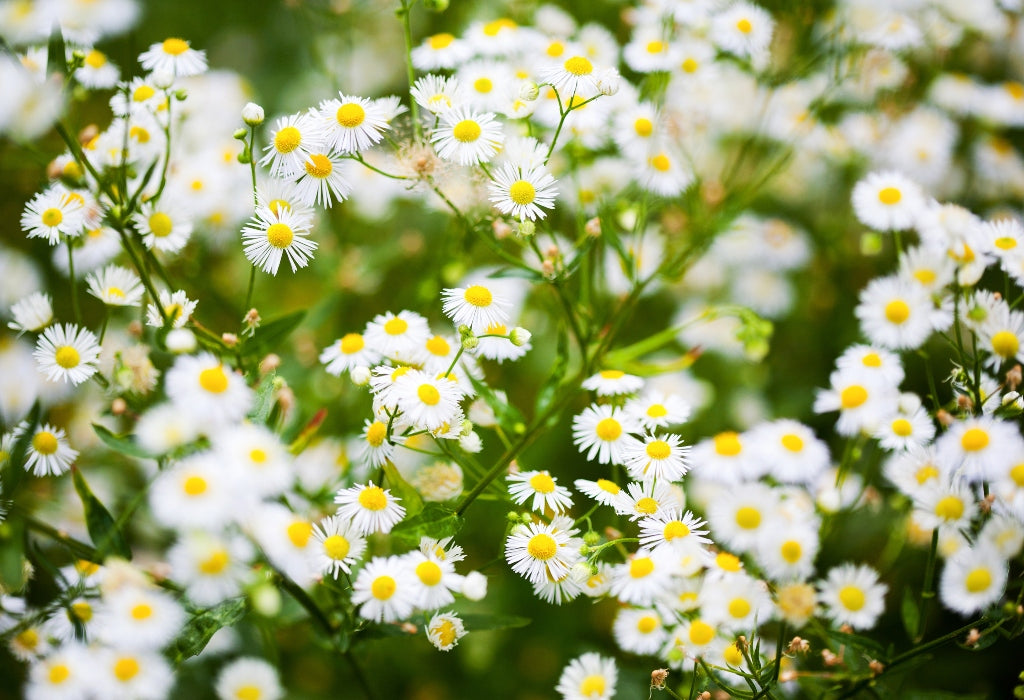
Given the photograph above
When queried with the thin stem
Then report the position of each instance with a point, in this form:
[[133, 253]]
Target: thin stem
[[143, 274], [167, 148], [928, 592], [106, 320], [248, 294], [252, 165], [359, 159], [75, 310]]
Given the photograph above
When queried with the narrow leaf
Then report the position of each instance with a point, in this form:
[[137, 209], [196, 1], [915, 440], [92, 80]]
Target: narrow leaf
[[910, 612], [13, 574], [270, 336], [264, 399], [201, 628], [15, 468], [411, 499], [479, 622], [121, 443], [56, 53], [435, 520], [101, 526]]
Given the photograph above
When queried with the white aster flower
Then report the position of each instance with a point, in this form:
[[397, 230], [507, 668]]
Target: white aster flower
[[476, 306], [352, 124], [852, 595], [32, 313], [383, 590], [115, 286], [337, 546], [370, 508], [973, 579], [49, 452], [248, 678], [269, 236], [542, 487], [588, 677], [67, 352], [174, 56], [540, 552], [522, 193], [467, 137]]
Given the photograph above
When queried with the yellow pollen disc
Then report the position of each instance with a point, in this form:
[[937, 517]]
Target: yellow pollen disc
[[126, 668], [95, 59], [542, 546], [612, 374], [478, 296], [383, 587], [889, 195], [728, 444], [521, 192], [440, 41], [82, 611], [399, 372], [279, 205], [215, 563], [194, 486], [299, 533], [249, 692], [483, 85], [852, 396], [647, 505], [658, 449], [897, 311], [396, 326], [58, 674], [373, 498], [44, 442], [675, 529], [445, 633], [727, 562], [72, 170], [139, 134], [1005, 344], [949, 508], [555, 49], [925, 473], [744, 25], [52, 217], [175, 47], [689, 66], [613, 488], [578, 65], [493, 28], [660, 163], [336, 547], [748, 518], [429, 394], [1015, 90], [86, 568], [791, 551], [142, 611], [115, 292], [641, 567], [439, 346], [279, 235], [376, 433], [28, 638], [214, 380], [466, 131], [643, 127], [792, 442], [350, 115], [287, 139], [608, 429], [872, 359], [143, 93], [318, 165], [1017, 474], [701, 633], [732, 655], [739, 607], [902, 427], [925, 276], [656, 410], [429, 573], [258, 456], [978, 580], [542, 483], [160, 224], [852, 598], [592, 685], [974, 439], [655, 47], [647, 624]]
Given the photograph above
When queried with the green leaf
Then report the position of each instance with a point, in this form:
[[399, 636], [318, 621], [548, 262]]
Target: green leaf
[[56, 53], [480, 622], [203, 626], [121, 443], [270, 335], [13, 573], [411, 499], [435, 520], [14, 471], [525, 273], [102, 528], [870, 646], [910, 612], [264, 403]]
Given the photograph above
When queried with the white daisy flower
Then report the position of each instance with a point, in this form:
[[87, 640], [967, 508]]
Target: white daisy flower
[[743, 29], [467, 137], [641, 500], [67, 352], [539, 552], [164, 225], [437, 93], [522, 193], [1005, 236], [348, 352], [377, 450], [657, 409], [725, 458], [268, 237], [397, 336], [370, 508], [656, 457], [352, 124], [115, 286], [500, 349], [974, 578], [215, 394], [174, 56], [542, 487], [445, 630], [32, 313], [643, 577], [789, 451], [63, 674], [887, 201], [177, 308], [248, 678], [212, 567], [945, 504], [852, 595], [54, 213], [605, 492], [49, 452], [476, 306], [576, 75], [588, 677], [124, 672], [739, 516], [337, 546], [257, 455], [979, 449], [148, 617], [898, 314], [97, 72], [296, 137], [74, 619], [198, 491], [601, 431], [664, 172], [785, 549], [906, 429], [433, 581], [442, 50], [639, 630], [673, 529], [877, 366], [737, 603], [426, 401], [613, 382], [383, 590], [861, 400], [1002, 334], [320, 180]]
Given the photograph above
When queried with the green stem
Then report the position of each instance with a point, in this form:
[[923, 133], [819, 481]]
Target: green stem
[[359, 159], [76, 547], [928, 592], [106, 320], [75, 310], [167, 148], [248, 294], [143, 274], [410, 71]]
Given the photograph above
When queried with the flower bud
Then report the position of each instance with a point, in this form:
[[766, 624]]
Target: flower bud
[[240, 134], [360, 375], [471, 443], [435, 5], [474, 586], [163, 80], [529, 91], [181, 340], [519, 336], [608, 82], [252, 114]]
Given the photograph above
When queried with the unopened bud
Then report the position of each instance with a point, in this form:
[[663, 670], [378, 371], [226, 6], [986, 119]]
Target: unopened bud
[[1014, 378], [658, 678], [181, 340], [240, 134], [591, 538], [360, 375], [593, 227], [471, 443], [266, 600], [118, 406], [229, 339], [525, 229], [435, 5], [529, 91], [270, 363], [501, 229], [519, 336], [474, 586], [252, 114], [163, 80], [608, 82]]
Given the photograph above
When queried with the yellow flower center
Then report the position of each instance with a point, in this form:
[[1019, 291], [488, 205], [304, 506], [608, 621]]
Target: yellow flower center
[[647, 505], [194, 486], [428, 573], [872, 359], [1005, 243], [748, 518], [215, 563], [852, 598], [728, 444], [336, 547], [739, 607], [1017, 474], [675, 529], [352, 343], [658, 449], [175, 47], [647, 624], [1005, 344], [115, 292], [792, 442], [656, 47], [643, 127], [95, 59], [925, 473], [689, 66], [214, 380], [139, 134], [660, 163], [143, 93], [383, 587], [791, 551], [318, 165], [396, 326], [493, 28], [126, 668], [350, 115], [287, 139], [299, 533], [744, 25], [429, 394], [67, 357], [974, 439], [608, 429], [978, 580], [279, 205], [889, 195], [522, 192], [376, 433], [249, 692], [160, 224], [44, 442], [641, 567], [612, 374], [578, 65], [58, 674], [613, 488], [542, 546], [732, 655], [727, 562], [257, 456], [542, 483], [902, 427], [1015, 90], [52, 217], [479, 296], [897, 311], [483, 85], [852, 396], [141, 611], [701, 633], [949, 508], [81, 611], [279, 235], [466, 131], [925, 276], [440, 41], [445, 633], [439, 346], [373, 498], [592, 685]]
